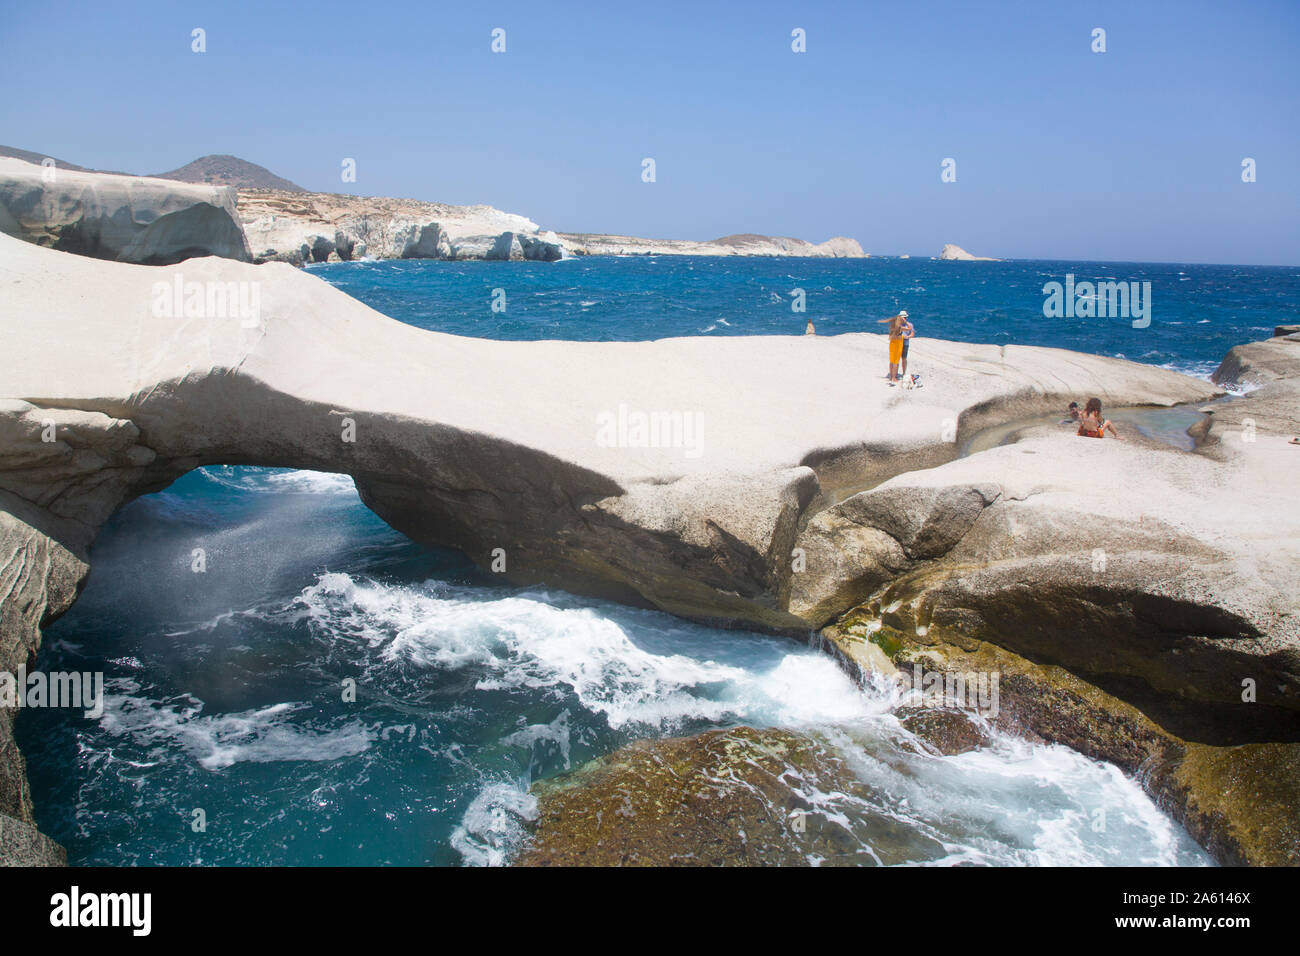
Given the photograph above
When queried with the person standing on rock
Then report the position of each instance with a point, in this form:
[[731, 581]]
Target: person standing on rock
[[897, 341], [908, 332]]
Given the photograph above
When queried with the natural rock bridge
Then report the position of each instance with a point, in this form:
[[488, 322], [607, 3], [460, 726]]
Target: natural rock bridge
[[812, 487]]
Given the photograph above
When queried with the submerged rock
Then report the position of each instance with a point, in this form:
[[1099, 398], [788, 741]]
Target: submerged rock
[[739, 797], [946, 731]]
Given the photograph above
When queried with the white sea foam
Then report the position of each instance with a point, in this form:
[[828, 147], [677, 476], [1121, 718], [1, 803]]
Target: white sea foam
[[521, 641], [1011, 803], [311, 482], [493, 827], [555, 734], [807, 689], [262, 735], [1017, 803], [292, 480]]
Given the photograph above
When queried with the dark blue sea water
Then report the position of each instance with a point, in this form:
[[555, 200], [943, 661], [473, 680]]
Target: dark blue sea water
[[226, 687], [1198, 312]]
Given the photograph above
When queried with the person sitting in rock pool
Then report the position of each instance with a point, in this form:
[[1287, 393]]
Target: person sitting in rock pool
[[1072, 414], [1092, 425]]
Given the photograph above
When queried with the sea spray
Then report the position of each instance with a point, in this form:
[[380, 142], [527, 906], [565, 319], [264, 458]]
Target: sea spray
[[971, 690]]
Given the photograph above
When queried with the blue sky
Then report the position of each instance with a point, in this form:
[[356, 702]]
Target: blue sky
[[1134, 154]]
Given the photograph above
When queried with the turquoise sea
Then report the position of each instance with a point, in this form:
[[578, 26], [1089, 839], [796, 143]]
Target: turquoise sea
[[224, 687]]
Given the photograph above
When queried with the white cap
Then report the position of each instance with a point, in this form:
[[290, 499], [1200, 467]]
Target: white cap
[[903, 314]]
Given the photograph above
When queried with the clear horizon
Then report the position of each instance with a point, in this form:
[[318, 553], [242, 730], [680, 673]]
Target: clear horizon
[[1062, 153]]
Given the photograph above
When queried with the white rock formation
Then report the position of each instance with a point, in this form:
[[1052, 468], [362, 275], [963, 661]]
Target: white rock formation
[[124, 218], [952, 252], [157, 221], [760, 452], [681, 473], [318, 227]]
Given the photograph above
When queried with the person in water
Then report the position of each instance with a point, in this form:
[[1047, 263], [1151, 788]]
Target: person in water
[[1072, 414], [1092, 425], [897, 339]]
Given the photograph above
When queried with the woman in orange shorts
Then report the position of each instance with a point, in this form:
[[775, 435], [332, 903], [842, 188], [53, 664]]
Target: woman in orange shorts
[[897, 336]]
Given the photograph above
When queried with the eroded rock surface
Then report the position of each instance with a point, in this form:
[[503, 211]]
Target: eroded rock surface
[[673, 473], [957, 253], [1237, 800], [122, 218], [739, 797], [683, 474], [1162, 575], [1137, 600], [299, 228]]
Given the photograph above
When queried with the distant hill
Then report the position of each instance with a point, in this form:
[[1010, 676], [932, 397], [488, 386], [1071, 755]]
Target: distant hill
[[28, 156], [230, 171], [215, 170]]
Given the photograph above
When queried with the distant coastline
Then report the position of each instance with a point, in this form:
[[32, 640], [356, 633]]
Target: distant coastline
[[282, 222]]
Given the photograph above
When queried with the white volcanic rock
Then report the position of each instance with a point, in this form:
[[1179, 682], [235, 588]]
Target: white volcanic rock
[[762, 502], [281, 225], [545, 247], [507, 246], [1165, 576], [841, 247], [957, 253], [1124, 560], [124, 218], [415, 241], [535, 446], [1261, 363], [542, 448], [157, 221]]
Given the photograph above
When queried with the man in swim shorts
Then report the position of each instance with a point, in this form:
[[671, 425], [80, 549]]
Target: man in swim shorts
[[908, 332]]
